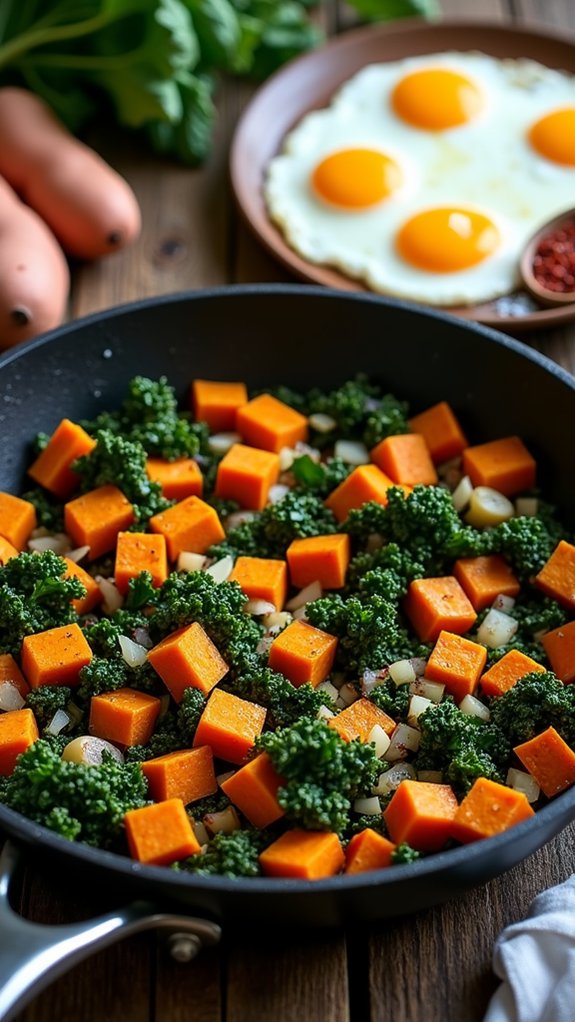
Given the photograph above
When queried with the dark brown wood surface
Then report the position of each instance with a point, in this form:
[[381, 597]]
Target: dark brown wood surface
[[423, 968]]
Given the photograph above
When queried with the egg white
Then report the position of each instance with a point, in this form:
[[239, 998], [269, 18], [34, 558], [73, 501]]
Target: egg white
[[486, 165]]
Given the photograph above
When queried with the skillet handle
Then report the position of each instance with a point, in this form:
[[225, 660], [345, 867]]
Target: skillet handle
[[32, 955]]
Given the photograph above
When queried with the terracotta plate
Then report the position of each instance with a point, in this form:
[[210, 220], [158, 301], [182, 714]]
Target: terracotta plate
[[308, 83]]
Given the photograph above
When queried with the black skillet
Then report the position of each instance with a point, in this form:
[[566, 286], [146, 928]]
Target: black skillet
[[264, 334]]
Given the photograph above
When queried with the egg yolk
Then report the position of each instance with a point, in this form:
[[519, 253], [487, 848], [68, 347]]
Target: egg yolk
[[553, 136], [436, 98], [447, 240], [356, 178]]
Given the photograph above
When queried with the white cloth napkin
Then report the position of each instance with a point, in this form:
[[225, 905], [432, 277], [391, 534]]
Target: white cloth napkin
[[535, 958]]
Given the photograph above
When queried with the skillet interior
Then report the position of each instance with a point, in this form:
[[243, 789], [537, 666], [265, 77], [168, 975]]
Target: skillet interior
[[301, 336]]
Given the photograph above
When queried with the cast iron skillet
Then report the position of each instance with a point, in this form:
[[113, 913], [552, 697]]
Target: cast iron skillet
[[264, 334]]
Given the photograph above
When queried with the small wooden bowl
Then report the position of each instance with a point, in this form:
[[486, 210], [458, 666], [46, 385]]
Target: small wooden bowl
[[531, 284]]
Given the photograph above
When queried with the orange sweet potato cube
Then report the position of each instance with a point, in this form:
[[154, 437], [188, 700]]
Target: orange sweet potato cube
[[55, 657], [245, 474], [216, 403], [368, 850], [559, 644], [178, 479], [507, 671], [124, 717], [189, 525], [18, 730], [306, 854], [137, 552], [230, 726], [187, 658], [187, 774], [84, 604], [160, 834], [437, 604], [95, 518], [441, 431], [253, 789], [549, 760], [321, 558], [421, 814], [405, 458], [557, 576], [7, 550], [17, 519], [485, 577], [303, 653], [456, 663], [488, 809], [270, 424], [359, 719], [11, 673], [262, 578], [51, 469], [366, 482], [505, 465]]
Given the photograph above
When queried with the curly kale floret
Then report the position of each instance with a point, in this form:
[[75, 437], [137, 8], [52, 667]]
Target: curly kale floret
[[45, 700], [79, 802], [285, 702], [189, 712], [403, 854], [49, 511], [122, 463], [34, 596], [462, 747], [210, 804], [369, 633], [526, 542], [166, 738], [323, 774], [392, 699], [103, 635], [349, 405], [229, 855], [321, 477], [107, 674], [537, 701], [269, 534], [388, 419]]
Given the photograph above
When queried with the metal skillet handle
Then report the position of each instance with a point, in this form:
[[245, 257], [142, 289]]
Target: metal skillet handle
[[32, 955]]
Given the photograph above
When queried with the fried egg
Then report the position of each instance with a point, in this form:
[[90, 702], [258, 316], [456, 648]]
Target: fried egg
[[425, 177]]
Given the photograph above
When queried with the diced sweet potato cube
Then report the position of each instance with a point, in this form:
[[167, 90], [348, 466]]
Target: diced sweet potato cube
[[504, 465], [84, 604], [405, 458], [188, 658], [216, 403], [55, 657], [270, 424], [549, 760], [10, 672], [488, 809], [18, 730], [434, 605], [441, 430], [160, 834], [51, 469], [190, 525], [179, 479], [137, 552], [17, 519], [483, 578], [245, 474], [457, 663], [262, 578], [307, 854], [559, 644], [557, 576], [187, 774], [125, 716], [303, 653], [7, 550], [421, 814], [366, 482], [230, 726], [253, 789], [319, 558], [95, 518], [368, 850], [507, 671], [359, 719]]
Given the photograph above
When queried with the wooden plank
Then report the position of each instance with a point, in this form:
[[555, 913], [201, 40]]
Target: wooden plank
[[184, 991]]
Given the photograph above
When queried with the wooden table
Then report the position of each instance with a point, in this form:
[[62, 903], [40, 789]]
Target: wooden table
[[432, 966]]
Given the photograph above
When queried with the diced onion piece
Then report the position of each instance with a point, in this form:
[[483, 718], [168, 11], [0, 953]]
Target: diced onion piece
[[112, 598], [277, 492], [327, 689], [10, 698], [200, 832], [142, 637], [352, 452], [369, 806], [132, 653], [392, 778], [257, 608], [321, 422], [488, 507], [520, 780], [371, 679], [59, 721], [324, 713], [59, 543], [264, 645], [446, 467], [189, 561], [432, 690], [238, 518], [222, 569], [224, 822], [402, 672], [89, 750], [419, 664], [417, 704], [496, 629], [503, 603], [430, 776], [287, 457], [405, 739], [527, 507], [310, 592], [224, 776], [300, 614], [462, 494], [380, 739], [473, 707], [347, 694], [312, 452], [220, 443], [275, 622], [78, 553]]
